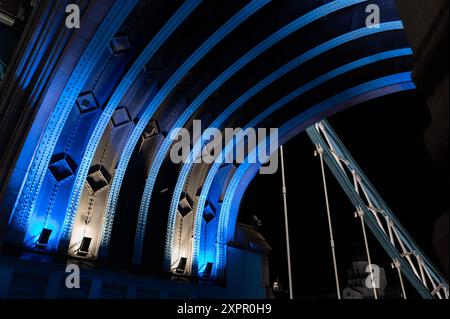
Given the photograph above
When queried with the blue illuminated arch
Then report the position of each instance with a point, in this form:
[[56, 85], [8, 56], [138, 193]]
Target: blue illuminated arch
[[169, 27], [26, 201], [206, 47], [184, 173], [262, 116], [212, 87], [246, 171]]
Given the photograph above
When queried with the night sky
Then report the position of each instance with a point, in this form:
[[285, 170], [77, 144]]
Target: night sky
[[385, 138]]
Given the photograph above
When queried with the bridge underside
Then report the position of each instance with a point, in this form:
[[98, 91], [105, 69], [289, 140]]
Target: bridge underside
[[86, 171]]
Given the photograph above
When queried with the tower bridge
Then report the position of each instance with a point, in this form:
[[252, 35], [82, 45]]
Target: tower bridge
[[86, 121]]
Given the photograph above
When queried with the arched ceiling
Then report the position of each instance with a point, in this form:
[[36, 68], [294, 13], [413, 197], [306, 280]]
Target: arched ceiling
[[95, 168]]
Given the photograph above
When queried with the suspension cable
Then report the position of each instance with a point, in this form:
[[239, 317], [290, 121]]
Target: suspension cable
[[286, 224], [397, 265], [369, 260], [330, 227]]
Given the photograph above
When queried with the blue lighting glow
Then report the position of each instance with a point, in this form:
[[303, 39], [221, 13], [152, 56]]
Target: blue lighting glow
[[52, 173], [37, 58], [212, 41], [23, 72], [35, 230], [290, 97], [26, 201], [205, 94], [170, 26], [184, 173], [230, 206]]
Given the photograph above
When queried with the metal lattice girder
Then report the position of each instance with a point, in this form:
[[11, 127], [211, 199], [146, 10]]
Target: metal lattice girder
[[406, 255]]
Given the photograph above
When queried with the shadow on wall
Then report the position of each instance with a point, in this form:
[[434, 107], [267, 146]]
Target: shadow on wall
[[426, 26]]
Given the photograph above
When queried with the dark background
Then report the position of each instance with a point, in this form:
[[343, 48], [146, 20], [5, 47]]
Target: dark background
[[385, 136]]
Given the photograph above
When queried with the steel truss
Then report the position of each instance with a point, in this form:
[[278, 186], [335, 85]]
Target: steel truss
[[407, 258]]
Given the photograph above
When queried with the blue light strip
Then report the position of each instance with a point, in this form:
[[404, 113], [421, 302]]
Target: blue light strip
[[184, 173], [159, 98], [56, 51], [229, 209], [45, 37], [26, 202], [28, 62], [262, 116], [206, 93], [169, 27]]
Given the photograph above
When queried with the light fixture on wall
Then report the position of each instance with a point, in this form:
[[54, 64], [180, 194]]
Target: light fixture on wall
[[43, 238], [181, 265], [84, 247], [208, 271]]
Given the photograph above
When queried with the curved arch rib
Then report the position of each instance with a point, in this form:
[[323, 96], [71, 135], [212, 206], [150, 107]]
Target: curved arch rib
[[211, 88], [169, 27], [262, 116], [159, 98], [32, 184], [356, 95], [184, 173]]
